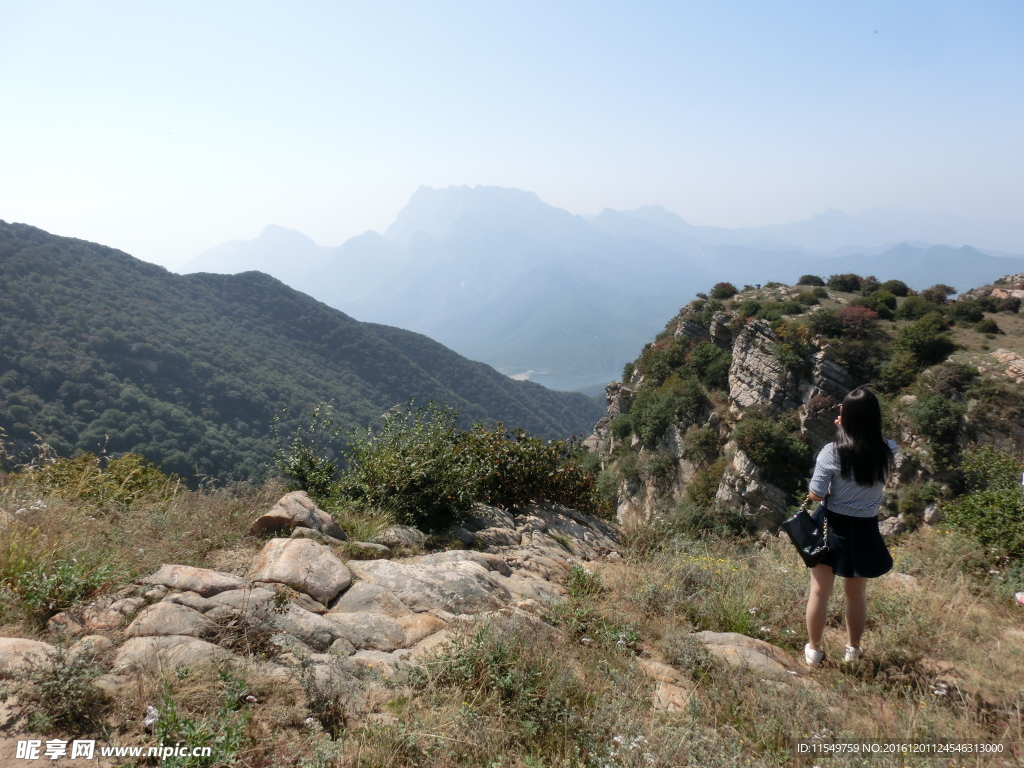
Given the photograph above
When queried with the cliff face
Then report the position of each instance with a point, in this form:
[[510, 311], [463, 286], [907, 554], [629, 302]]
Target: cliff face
[[784, 374]]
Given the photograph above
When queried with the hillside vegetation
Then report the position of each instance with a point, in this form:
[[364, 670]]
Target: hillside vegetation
[[102, 352]]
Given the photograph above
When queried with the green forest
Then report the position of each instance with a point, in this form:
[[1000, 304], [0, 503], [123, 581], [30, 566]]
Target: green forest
[[102, 352]]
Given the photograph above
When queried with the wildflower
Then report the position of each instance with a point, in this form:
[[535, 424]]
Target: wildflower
[[753, 610]]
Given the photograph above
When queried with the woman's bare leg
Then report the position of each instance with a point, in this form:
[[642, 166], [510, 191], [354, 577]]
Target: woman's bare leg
[[822, 579], [856, 609]]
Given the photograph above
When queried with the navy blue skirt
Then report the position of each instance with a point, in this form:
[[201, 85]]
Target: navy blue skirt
[[856, 548]]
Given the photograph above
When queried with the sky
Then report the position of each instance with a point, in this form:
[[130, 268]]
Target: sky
[[166, 128]]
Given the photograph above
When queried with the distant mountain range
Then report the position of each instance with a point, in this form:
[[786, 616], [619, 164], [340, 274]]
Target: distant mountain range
[[502, 277], [101, 351]]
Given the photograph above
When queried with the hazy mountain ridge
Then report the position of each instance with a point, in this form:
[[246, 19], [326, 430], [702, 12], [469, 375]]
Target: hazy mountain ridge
[[99, 350], [501, 276]]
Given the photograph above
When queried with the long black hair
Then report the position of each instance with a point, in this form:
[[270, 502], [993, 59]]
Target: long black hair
[[863, 452]]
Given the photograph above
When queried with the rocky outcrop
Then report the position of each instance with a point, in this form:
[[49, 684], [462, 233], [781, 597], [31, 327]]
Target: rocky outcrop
[[743, 488], [304, 565], [302, 611], [756, 377], [296, 510]]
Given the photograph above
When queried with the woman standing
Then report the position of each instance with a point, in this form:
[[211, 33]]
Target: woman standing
[[848, 477]]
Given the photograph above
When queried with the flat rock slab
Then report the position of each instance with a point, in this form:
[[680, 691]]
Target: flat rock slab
[[296, 510], [483, 559], [202, 581], [303, 565], [156, 654], [369, 631], [169, 619], [369, 598], [313, 630], [457, 587], [19, 655], [740, 651]]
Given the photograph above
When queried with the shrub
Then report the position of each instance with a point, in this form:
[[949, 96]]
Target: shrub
[[926, 341], [810, 280], [703, 486], [677, 400], [723, 291], [223, 730], [1011, 304], [711, 364], [429, 473], [748, 308], [896, 287], [857, 321], [938, 293], [869, 285], [863, 358], [952, 379], [968, 311], [627, 372], [622, 425], [659, 360], [61, 695], [783, 456], [899, 371], [913, 308], [988, 325], [992, 510], [826, 323], [308, 456], [794, 348], [701, 445], [939, 420], [807, 298], [820, 292], [848, 283]]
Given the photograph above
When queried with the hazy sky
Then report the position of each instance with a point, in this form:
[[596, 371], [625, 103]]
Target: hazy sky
[[166, 128]]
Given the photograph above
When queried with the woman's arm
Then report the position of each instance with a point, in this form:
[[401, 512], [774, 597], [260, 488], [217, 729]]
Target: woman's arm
[[812, 497]]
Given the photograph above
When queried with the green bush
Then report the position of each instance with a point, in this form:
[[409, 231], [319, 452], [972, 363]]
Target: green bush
[[967, 311], [913, 308], [61, 695], [807, 298], [748, 308], [794, 348], [711, 364], [678, 400], [898, 371], [810, 280], [988, 325], [826, 323], [308, 456], [223, 730], [429, 473], [938, 419], [938, 294], [863, 358], [848, 283], [702, 488], [926, 341], [896, 287], [723, 291], [659, 360], [992, 510], [784, 457], [627, 372], [700, 445], [622, 425]]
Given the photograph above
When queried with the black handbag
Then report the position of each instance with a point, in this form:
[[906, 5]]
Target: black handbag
[[809, 536]]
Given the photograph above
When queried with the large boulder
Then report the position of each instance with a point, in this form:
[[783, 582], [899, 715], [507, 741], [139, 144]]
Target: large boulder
[[296, 510], [313, 630], [19, 655], [169, 619], [203, 581], [303, 565], [456, 587], [156, 654], [369, 631]]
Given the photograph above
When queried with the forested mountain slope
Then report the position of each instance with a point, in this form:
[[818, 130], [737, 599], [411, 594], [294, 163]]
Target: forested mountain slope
[[101, 351]]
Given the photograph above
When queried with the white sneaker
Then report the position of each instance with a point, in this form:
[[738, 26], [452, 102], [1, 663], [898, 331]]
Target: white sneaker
[[812, 657], [852, 653]]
